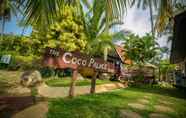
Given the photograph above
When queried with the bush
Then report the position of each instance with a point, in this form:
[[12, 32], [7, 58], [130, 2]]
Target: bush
[[138, 78], [68, 72], [47, 72], [113, 78], [163, 85], [24, 63], [14, 65], [59, 72], [3, 66]]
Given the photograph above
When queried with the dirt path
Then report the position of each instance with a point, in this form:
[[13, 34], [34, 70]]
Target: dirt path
[[53, 92], [36, 111]]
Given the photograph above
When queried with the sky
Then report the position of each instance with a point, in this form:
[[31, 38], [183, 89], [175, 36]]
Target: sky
[[136, 20], [12, 27]]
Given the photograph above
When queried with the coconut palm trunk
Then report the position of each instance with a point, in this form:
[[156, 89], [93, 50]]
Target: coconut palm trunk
[[151, 18], [2, 27]]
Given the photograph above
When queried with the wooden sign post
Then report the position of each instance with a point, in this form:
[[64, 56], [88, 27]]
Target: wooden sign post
[[93, 83], [73, 82], [58, 58]]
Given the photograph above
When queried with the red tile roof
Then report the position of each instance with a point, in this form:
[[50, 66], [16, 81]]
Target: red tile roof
[[121, 53]]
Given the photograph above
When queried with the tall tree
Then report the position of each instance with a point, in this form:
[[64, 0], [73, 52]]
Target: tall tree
[[141, 49], [98, 20], [7, 9]]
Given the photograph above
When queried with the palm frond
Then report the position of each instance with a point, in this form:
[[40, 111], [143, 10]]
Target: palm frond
[[35, 10], [165, 13]]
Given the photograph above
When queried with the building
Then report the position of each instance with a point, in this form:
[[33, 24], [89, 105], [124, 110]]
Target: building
[[178, 51]]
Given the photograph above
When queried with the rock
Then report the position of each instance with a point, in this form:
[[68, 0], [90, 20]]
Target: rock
[[166, 102], [104, 76], [137, 106], [30, 78], [161, 108], [157, 115], [129, 114], [143, 101], [80, 77]]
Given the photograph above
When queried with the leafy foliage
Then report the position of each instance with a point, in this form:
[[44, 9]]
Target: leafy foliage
[[23, 50], [165, 67], [68, 33], [140, 49]]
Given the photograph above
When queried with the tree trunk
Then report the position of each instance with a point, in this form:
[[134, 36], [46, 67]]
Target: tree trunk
[[151, 18], [105, 53], [93, 83], [159, 73], [72, 85], [3, 27]]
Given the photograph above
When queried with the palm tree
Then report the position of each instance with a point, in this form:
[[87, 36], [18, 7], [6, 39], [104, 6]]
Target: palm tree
[[7, 7], [98, 19], [44, 11], [141, 50]]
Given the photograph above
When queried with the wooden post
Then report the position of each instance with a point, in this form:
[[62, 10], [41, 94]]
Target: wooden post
[[159, 73], [72, 85], [93, 83]]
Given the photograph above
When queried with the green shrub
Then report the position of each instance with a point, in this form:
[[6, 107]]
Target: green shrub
[[67, 72], [24, 63], [138, 78], [47, 72], [163, 85], [14, 65], [59, 72], [3, 66]]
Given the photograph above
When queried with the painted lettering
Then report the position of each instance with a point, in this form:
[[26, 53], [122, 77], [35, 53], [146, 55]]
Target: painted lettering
[[67, 54], [91, 62]]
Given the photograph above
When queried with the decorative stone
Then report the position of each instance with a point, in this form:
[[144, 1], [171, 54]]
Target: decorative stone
[[30, 78], [166, 102], [147, 97], [143, 101], [80, 77], [161, 108], [129, 114], [104, 76], [157, 115], [137, 106]]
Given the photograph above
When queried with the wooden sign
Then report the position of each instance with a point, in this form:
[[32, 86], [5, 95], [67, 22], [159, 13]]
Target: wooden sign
[[58, 58], [5, 59]]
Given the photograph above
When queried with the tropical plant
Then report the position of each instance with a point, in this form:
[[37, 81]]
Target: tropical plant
[[98, 20], [68, 32], [141, 49], [165, 67]]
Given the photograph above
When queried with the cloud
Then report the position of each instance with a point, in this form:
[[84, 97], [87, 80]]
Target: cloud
[[137, 21]]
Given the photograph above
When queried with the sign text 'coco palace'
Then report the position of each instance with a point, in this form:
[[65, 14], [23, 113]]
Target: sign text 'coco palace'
[[58, 58]]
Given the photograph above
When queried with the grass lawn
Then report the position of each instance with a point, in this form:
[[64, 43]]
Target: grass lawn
[[110, 104], [65, 82]]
